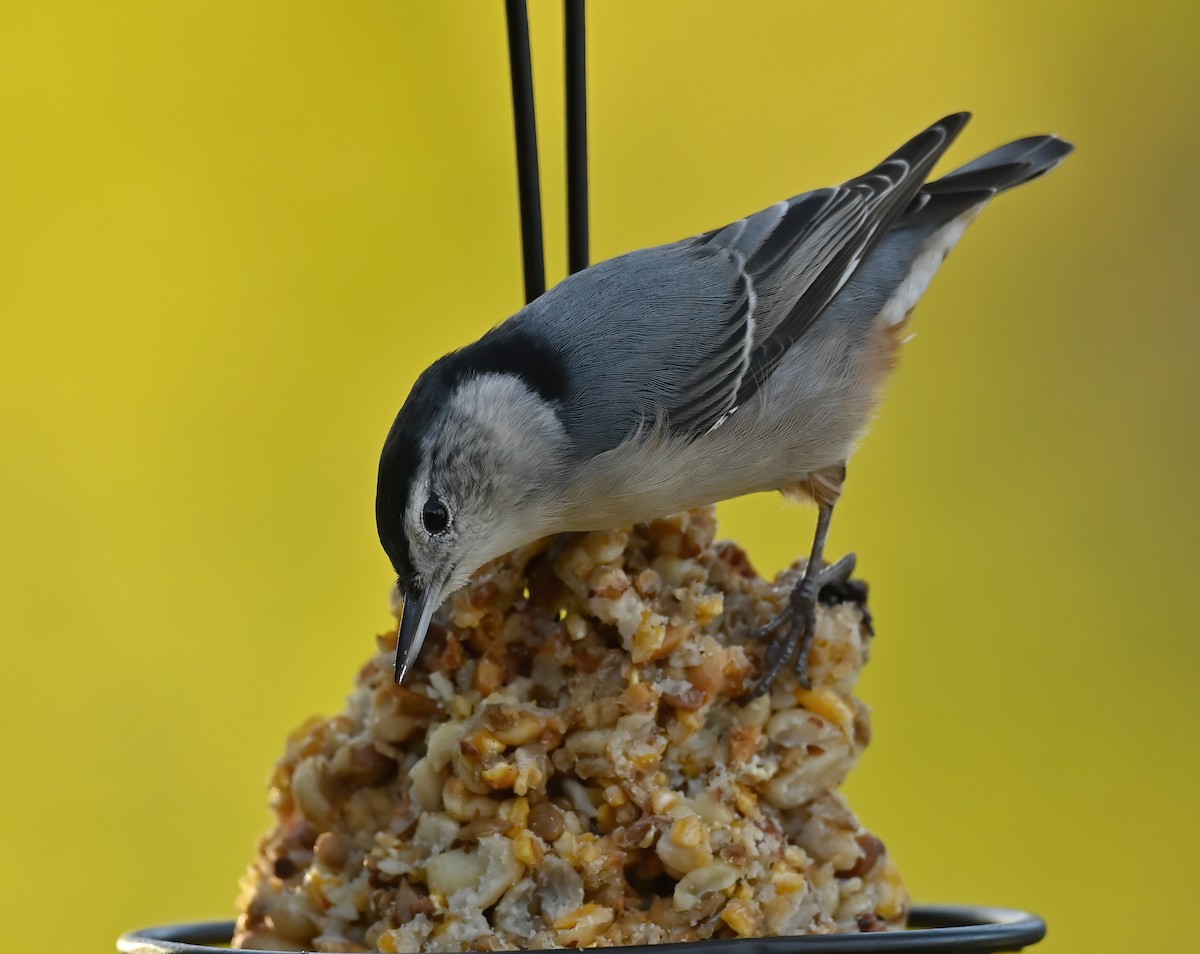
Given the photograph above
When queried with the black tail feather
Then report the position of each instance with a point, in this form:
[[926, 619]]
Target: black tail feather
[[1036, 154], [1008, 166]]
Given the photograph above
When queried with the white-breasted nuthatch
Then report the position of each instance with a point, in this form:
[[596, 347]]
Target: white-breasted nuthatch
[[745, 359]]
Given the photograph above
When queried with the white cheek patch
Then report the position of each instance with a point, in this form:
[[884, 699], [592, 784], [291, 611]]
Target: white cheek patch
[[500, 412], [904, 299]]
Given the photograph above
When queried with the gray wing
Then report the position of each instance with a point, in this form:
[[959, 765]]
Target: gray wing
[[687, 332], [663, 333], [800, 274]]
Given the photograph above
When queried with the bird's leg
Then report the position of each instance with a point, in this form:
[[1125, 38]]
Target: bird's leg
[[797, 622], [791, 632]]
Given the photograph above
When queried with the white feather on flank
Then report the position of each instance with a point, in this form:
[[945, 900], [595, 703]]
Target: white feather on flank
[[807, 416], [924, 267]]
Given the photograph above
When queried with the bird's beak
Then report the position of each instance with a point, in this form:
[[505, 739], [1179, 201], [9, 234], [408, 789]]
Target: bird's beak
[[414, 624]]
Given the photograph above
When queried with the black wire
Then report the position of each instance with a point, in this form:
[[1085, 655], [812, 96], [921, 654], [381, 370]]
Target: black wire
[[525, 125], [575, 42]]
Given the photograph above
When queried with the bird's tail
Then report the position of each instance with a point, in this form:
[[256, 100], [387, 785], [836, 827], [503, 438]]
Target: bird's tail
[[892, 280], [997, 171]]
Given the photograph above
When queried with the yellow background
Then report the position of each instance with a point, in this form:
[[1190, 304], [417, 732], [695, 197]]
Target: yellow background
[[231, 234]]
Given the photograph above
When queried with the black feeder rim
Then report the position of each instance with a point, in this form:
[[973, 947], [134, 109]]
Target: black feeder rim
[[964, 929]]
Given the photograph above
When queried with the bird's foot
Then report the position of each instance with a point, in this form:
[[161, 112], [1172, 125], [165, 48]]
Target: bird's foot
[[791, 632]]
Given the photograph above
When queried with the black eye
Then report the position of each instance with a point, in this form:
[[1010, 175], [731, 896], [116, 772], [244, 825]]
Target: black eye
[[435, 516]]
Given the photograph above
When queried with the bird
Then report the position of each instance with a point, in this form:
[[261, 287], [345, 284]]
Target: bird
[[748, 358]]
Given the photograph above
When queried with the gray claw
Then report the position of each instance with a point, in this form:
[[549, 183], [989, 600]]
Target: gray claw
[[838, 573], [792, 631]]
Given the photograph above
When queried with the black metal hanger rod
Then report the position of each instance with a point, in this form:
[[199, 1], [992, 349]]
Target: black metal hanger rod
[[575, 42], [525, 124]]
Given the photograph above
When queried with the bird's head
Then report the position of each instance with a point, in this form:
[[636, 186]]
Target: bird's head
[[468, 472]]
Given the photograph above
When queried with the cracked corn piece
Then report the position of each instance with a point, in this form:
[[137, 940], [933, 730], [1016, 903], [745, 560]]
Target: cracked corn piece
[[571, 765]]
